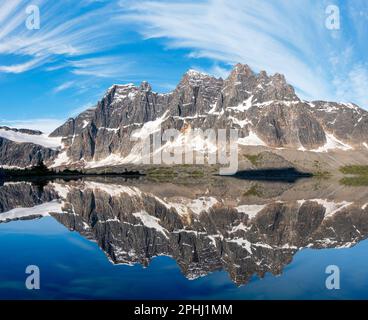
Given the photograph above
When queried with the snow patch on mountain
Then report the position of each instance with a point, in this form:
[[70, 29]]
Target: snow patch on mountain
[[244, 243], [61, 160], [39, 139], [251, 140], [333, 143], [250, 210], [331, 207], [111, 160], [151, 222], [42, 210], [243, 106], [113, 189], [197, 206], [149, 128], [4, 166], [202, 204]]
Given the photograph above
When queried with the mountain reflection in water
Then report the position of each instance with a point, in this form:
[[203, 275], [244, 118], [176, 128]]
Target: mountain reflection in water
[[246, 228]]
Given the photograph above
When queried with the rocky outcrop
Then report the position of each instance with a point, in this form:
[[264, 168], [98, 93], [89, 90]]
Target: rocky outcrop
[[346, 121], [24, 194]]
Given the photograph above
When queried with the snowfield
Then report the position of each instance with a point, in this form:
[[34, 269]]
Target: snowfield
[[42, 139]]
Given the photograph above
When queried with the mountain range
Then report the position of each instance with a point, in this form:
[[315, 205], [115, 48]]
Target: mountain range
[[270, 118]]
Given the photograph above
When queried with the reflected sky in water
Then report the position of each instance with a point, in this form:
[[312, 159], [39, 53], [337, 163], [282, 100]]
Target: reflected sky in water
[[75, 268]]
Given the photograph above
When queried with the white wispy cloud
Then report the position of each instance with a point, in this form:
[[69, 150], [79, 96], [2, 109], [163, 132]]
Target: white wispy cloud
[[355, 84], [65, 32], [283, 36], [64, 86], [255, 32], [277, 36], [7, 8], [105, 67], [21, 67]]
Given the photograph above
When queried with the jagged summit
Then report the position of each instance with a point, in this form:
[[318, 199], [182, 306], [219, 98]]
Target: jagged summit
[[196, 73], [240, 74], [242, 69], [145, 86]]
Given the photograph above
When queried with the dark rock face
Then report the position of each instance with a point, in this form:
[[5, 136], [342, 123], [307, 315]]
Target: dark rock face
[[348, 122], [284, 125], [24, 154], [264, 105], [72, 125], [23, 194]]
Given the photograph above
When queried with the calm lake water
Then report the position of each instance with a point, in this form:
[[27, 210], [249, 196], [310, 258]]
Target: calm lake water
[[219, 239]]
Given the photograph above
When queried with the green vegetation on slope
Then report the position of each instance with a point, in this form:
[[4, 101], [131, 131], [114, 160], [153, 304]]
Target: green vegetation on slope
[[360, 175], [253, 158], [253, 191], [355, 170]]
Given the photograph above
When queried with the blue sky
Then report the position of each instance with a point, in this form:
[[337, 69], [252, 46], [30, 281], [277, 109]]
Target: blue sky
[[83, 47]]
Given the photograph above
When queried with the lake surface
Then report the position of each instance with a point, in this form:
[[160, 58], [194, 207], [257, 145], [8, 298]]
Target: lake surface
[[222, 238]]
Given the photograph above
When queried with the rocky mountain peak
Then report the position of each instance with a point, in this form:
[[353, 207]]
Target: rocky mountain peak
[[263, 75], [243, 82], [194, 78], [118, 93], [195, 74], [242, 69], [120, 89], [145, 86], [241, 74]]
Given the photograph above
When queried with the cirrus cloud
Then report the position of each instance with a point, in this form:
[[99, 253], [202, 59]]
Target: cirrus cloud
[[277, 36]]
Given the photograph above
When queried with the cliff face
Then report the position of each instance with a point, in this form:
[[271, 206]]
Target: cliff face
[[25, 195], [264, 108], [21, 155]]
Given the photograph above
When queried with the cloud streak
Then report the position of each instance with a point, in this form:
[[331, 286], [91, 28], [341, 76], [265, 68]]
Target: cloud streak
[[64, 86], [86, 40], [66, 31], [105, 67], [278, 36], [21, 67]]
